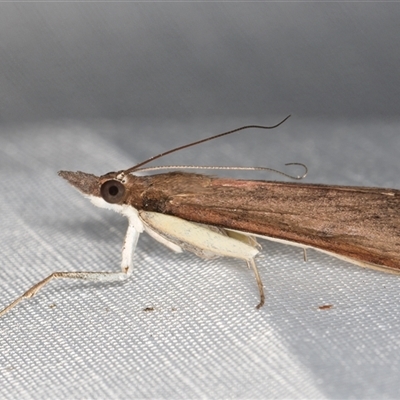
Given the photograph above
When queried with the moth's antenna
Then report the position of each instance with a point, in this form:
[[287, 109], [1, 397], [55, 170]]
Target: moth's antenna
[[135, 167], [228, 168]]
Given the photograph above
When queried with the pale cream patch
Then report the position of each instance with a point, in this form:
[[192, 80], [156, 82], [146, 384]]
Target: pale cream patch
[[198, 236]]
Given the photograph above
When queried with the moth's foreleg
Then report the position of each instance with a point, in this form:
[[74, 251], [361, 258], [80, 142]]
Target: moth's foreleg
[[131, 239], [86, 276], [128, 250], [252, 264]]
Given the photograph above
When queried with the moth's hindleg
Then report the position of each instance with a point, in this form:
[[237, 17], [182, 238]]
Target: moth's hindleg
[[305, 254]]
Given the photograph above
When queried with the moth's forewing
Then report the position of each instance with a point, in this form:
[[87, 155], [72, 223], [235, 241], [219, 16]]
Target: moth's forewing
[[356, 223]]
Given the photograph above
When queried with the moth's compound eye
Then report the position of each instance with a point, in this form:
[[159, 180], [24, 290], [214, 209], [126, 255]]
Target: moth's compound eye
[[112, 191]]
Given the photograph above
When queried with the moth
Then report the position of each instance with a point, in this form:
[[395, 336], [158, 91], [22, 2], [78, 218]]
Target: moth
[[220, 217]]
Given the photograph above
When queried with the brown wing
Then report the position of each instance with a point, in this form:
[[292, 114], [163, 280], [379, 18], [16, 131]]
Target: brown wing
[[355, 222]]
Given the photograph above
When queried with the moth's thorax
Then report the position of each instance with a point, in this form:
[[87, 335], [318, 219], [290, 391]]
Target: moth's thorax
[[152, 193]]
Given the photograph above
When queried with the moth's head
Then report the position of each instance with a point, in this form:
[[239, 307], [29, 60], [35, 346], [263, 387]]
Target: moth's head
[[106, 191]]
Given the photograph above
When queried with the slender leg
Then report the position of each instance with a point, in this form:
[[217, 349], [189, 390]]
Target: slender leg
[[305, 254], [252, 264], [131, 239], [86, 276]]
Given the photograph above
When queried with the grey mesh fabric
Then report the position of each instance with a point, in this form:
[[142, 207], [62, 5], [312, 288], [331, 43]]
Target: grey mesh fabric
[[99, 87], [204, 337]]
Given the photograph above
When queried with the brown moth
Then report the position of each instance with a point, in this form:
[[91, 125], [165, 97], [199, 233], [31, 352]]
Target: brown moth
[[212, 217]]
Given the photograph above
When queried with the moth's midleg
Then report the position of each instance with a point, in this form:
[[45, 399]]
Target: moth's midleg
[[205, 240]]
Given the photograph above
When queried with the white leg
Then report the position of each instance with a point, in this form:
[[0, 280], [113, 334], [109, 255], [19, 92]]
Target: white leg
[[131, 239]]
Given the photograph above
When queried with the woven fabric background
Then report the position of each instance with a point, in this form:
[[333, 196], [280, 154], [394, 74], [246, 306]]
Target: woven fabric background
[[183, 327], [204, 337]]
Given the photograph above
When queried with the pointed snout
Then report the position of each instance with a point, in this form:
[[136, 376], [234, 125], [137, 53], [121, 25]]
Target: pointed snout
[[88, 184]]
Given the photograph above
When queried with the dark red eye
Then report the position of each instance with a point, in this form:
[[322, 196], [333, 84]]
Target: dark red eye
[[112, 191]]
